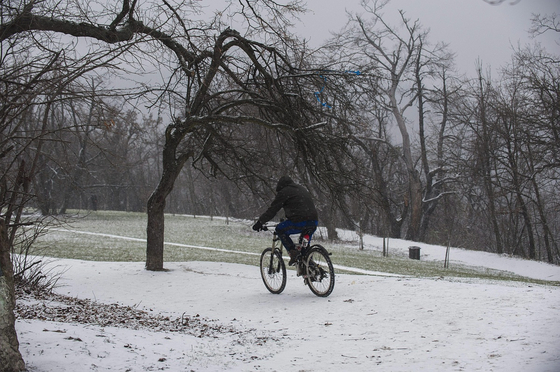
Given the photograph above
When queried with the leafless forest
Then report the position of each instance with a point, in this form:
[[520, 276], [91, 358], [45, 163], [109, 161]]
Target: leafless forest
[[114, 107]]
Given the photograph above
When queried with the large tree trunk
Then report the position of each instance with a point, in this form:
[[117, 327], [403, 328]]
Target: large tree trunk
[[172, 165], [156, 224], [10, 357], [329, 221], [415, 188], [392, 224], [414, 182], [155, 231]]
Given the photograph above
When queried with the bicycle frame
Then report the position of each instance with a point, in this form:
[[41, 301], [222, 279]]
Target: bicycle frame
[[275, 240], [304, 240], [302, 246]]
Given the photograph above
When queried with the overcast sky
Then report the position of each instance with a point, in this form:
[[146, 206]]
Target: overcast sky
[[473, 29]]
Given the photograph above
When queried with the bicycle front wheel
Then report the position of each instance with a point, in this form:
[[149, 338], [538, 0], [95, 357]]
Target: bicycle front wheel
[[320, 271], [273, 270]]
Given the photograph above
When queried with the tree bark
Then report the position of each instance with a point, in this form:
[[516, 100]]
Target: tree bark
[[172, 165], [10, 357], [414, 182], [393, 225], [327, 216], [155, 230], [415, 188]]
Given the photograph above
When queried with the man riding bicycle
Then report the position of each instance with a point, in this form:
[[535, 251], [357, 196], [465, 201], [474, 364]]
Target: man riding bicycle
[[300, 212]]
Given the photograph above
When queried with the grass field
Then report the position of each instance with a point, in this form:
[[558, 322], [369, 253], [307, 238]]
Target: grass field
[[235, 236]]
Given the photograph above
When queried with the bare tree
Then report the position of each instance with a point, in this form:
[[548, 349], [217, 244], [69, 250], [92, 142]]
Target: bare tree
[[33, 78], [544, 23], [507, 157], [219, 80], [399, 59], [222, 78], [10, 357]]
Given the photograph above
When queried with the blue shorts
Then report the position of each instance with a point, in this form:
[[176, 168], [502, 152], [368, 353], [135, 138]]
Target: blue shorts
[[287, 228]]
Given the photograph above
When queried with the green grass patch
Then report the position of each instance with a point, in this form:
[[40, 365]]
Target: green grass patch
[[235, 236]]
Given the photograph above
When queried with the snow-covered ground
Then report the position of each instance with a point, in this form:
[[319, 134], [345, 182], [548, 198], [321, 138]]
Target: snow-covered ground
[[369, 323]]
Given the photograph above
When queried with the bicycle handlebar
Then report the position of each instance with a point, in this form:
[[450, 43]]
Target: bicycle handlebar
[[265, 226]]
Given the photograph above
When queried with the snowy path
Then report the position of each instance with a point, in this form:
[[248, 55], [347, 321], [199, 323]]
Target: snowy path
[[368, 323]]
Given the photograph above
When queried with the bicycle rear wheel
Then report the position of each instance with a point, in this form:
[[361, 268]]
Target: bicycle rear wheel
[[273, 270], [320, 271]]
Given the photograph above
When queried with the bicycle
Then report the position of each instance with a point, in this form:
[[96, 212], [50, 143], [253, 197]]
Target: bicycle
[[313, 264]]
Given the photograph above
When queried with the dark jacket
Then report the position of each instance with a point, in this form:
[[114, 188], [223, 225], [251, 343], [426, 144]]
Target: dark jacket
[[296, 201]]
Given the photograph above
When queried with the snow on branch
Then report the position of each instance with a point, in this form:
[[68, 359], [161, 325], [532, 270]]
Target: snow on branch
[[437, 197]]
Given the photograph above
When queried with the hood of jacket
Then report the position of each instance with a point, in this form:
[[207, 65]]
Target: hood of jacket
[[283, 182]]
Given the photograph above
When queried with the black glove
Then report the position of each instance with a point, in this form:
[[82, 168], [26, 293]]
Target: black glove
[[258, 226]]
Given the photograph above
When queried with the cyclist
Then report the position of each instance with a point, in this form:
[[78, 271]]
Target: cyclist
[[300, 212]]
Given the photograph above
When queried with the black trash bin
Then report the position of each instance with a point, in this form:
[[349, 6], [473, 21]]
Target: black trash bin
[[414, 252]]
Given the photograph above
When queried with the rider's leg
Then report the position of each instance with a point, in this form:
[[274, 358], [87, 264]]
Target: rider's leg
[[284, 229], [287, 228]]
